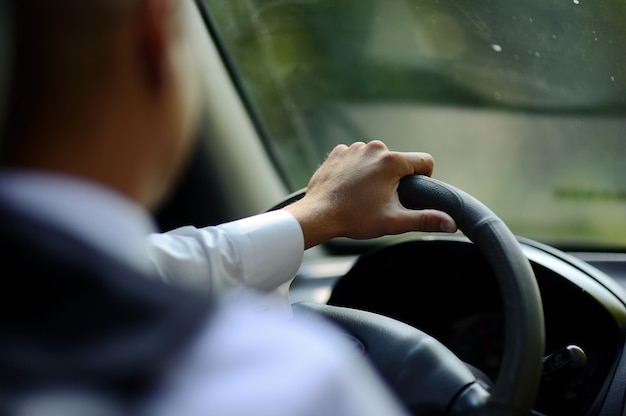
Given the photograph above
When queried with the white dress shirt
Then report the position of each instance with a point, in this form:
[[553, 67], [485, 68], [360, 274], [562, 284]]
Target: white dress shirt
[[248, 364], [260, 253], [244, 362]]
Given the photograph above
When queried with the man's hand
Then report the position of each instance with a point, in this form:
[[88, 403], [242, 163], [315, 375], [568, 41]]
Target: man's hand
[[354, 194]]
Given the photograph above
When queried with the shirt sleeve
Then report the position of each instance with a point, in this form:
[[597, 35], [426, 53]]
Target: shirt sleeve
[[260, 253]]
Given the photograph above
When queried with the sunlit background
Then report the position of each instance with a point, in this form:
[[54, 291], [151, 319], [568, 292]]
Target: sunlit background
[[522, 104]]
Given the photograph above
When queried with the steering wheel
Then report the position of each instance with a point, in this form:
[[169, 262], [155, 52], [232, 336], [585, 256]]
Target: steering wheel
[[427, 376]]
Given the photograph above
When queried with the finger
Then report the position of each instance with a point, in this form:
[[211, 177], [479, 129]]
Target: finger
[[410, 163], [430, 220], [420, 163]]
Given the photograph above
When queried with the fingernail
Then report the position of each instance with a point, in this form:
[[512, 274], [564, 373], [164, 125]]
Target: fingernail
[[448, 226]]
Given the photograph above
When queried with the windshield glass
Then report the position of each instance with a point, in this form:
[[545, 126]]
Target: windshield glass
[[522, 103]]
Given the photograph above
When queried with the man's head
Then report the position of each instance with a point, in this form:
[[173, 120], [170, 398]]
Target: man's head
[[104, 89]]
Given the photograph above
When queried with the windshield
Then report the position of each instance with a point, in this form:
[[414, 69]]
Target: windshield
[[522, 103]]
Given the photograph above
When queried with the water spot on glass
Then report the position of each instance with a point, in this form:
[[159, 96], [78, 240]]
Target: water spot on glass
[[576, 1], [496, 47], [612, 78], [537, 54]]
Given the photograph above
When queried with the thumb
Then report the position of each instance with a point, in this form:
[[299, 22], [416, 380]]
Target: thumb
[[430, 220]]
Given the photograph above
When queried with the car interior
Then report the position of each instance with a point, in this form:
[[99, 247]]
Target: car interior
[[464, 290], [525, 306]]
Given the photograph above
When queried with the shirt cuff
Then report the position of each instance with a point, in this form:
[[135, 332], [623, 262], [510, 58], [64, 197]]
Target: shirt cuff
[[271, 247]]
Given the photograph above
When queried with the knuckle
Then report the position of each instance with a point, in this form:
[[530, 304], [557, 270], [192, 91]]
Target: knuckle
[[338, 149], [358, 144], [391, 158], [377, 144]]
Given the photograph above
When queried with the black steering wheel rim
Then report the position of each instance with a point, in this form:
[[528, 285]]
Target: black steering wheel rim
[[520, 372], [516, 385]]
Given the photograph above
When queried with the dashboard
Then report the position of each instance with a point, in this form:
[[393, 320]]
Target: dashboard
[[445, 287]]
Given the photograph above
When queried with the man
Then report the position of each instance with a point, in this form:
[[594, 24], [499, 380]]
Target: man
[[100, 122]]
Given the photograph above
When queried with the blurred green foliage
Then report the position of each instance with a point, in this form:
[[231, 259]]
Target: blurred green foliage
[[303, 62]]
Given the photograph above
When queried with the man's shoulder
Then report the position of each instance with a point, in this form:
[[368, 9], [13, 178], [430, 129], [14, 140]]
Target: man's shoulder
[[72, 315]]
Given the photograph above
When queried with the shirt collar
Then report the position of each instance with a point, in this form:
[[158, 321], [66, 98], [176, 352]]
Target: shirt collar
[[97, 215]]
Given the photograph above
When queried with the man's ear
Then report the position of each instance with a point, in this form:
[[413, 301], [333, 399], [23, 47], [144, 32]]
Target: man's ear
[[157, 31]]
